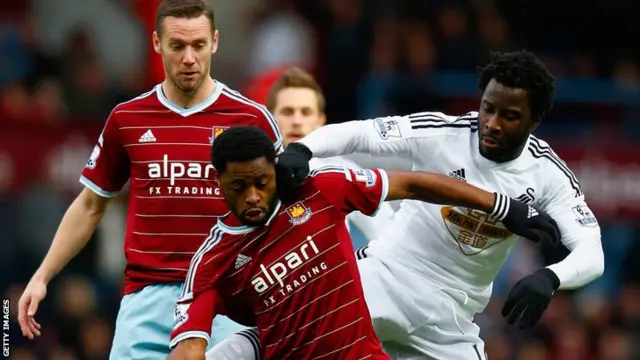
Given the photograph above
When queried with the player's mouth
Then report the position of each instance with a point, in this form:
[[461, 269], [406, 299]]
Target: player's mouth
[[294, 137], [254, 215], [489, 142], [190, 74]]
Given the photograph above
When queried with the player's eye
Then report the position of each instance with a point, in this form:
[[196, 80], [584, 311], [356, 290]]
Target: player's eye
[[237, 187], [511, 116], [176, 47]]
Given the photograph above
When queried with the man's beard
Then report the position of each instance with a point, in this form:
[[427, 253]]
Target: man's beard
[[187, 89]]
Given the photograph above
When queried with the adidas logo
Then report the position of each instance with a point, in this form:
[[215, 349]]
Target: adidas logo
[[147, 137], [458, 174], [532, 212], [241, 260]]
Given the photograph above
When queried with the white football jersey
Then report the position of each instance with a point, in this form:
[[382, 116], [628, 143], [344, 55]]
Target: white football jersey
[[458, 247]]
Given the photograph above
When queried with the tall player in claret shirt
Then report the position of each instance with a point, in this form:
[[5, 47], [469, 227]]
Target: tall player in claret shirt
[[160, 143], [288, 267]]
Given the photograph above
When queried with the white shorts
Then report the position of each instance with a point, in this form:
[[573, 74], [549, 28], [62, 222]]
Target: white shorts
[[414, 318]]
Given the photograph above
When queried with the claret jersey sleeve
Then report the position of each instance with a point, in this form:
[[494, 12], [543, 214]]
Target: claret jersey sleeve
[[107, 170], [351, 190], [200, 301]]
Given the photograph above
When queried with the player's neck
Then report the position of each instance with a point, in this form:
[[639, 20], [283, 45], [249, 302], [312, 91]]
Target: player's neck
[[189, 99], [508, 156]]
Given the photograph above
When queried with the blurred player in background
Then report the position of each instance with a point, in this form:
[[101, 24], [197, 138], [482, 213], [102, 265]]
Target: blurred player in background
[[288, 266], [298, 103], [160, 142]]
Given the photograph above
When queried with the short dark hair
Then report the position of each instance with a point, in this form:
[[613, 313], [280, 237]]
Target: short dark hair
[[184, 9], [295, 78], [522, 70], [240, 144]]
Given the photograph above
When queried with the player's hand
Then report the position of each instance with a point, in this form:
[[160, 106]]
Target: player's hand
[[525, 220], [292, 167], [28, 304], [529, 298]]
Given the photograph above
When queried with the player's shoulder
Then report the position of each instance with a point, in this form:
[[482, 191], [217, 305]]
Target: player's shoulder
[[142, 102], [435, 123], [325, 178], [328, 178], [543, 155], [556, 171], [233, 101], [329, 171], [251, 112]]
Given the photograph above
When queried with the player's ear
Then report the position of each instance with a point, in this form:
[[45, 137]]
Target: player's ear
[[216, 37], [156, 42], [535, 122], [322, 120]]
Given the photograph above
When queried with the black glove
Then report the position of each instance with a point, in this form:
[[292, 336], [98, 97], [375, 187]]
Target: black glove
[[529, 297], [292, 167], [525, 220]]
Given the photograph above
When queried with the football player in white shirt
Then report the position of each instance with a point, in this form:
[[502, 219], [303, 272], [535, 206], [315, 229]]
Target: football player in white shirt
[[427, 276]]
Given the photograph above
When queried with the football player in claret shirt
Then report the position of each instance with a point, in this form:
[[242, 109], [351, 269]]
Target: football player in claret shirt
[[285, 263], [160, 143]]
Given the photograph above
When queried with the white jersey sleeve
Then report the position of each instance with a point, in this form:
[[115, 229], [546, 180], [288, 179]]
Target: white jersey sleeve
[[564, 202], [402, 136]]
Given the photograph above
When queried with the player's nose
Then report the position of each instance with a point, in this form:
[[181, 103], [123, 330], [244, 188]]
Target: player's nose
[[252, 196], [189, 57], [493, 124], [298, 119]]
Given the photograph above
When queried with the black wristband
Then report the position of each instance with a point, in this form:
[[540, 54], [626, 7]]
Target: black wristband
[[549, 274], [301, 149]]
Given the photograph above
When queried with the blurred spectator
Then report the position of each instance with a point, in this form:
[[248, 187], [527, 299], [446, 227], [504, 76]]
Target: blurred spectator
[[494, 33], [281, 38], [456, 49]]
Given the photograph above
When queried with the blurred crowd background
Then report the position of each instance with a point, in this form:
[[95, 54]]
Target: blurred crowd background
[[65, 63]]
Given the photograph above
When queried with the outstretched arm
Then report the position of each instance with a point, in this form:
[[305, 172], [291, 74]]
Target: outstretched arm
[[519, 218], [361, 136], [365, 189], [438, 189], [405, 136]]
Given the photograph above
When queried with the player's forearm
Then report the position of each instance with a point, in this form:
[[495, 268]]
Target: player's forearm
[[438, 189], [339, 139], [76, 227], [584, 264], [189, 349]]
